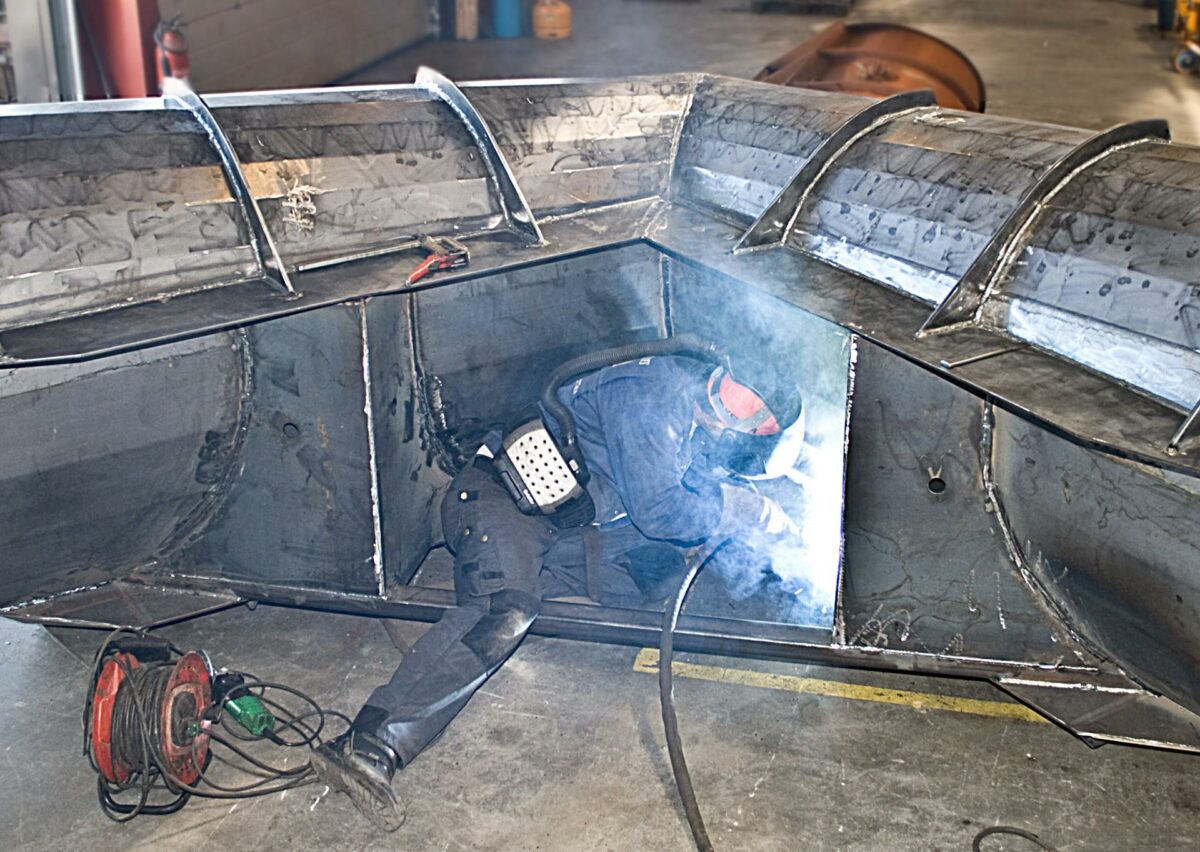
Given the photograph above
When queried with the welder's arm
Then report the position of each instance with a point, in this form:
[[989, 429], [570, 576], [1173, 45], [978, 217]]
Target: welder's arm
[[752, 518], [644, 444]]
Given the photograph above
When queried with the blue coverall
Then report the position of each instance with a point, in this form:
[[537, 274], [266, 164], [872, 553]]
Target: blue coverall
[[636, 429]]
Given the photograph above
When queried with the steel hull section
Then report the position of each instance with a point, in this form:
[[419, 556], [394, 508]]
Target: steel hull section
[[180, 435]]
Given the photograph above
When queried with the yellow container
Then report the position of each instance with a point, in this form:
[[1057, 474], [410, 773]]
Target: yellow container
[[552, 19]]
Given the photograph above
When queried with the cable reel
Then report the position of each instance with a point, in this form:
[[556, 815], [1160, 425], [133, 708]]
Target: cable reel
[[186, 697], [146, 720], [155, 716]]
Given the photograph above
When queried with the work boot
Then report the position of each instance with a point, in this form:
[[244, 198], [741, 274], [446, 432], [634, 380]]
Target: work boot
[[362, 766]]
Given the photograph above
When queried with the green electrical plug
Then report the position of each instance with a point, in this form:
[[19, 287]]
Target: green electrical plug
[[250, 713]]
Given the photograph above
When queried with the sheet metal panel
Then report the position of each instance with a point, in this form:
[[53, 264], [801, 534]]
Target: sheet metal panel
[[927, 567], [579, 145], [115, 464], [928, 190], [1107, 274], [410, 477], [107, 209], [741, 142], [1116, 545], [485, 346], [300, 510]]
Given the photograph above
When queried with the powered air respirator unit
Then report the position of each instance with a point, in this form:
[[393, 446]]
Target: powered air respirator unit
[[546, 474]]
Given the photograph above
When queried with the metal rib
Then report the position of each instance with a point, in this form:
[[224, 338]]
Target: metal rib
[[1184, 428], [513, 205], [775, 223], [962, 305], [266, 255]]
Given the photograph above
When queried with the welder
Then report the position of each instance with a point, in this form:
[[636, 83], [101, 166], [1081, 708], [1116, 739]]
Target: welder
[[658, 441]]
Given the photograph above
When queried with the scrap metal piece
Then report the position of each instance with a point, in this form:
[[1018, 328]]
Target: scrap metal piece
[[775, 223], [962, 305], [266, 254], [947, 364], [517, 214]]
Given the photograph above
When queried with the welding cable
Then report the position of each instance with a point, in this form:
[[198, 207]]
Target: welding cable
[[257, 767], [286, 779], [267, 774], [272, 779], [683, 778], [1014, 832], [666, 694]]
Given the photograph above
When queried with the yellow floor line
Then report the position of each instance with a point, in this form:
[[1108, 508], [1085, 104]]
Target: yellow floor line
[[647, 662]]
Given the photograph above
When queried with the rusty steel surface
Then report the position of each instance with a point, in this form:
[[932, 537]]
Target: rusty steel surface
[[879, 60], [1018, 495]]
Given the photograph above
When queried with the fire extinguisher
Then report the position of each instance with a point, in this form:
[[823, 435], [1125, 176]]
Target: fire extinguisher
[[170, 50]]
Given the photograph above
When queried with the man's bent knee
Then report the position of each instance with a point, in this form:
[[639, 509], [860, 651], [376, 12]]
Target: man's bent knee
[[508, 618]]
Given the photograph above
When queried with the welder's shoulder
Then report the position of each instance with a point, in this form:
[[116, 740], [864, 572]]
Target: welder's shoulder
[[661, 371], [664, 383]]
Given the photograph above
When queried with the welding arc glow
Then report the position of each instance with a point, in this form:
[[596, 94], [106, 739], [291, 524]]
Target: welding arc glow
[[805, 476]]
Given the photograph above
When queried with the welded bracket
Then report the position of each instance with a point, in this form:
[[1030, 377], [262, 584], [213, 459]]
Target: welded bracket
[[963, 305], [266, 254], [517, 215], [774, 225]]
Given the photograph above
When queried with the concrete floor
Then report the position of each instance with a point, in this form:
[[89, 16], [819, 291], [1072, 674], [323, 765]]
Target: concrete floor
[[1087, 63], [563, 748]]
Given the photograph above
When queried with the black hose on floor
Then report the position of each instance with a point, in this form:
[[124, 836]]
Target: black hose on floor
[[683, 778], [1011, 831], [666, 649]]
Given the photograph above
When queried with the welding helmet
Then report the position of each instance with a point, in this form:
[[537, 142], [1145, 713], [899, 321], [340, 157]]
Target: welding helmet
[[753, 421]]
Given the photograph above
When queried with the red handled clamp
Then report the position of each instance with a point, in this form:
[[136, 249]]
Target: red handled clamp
[[444, 253]]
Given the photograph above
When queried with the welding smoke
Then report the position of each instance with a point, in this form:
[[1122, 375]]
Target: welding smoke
[[797, 578], [814, 502], [794, 581], [799, 575]]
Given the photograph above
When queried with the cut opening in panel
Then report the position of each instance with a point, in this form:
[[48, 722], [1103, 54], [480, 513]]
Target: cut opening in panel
[[485, 349], [794, 580]]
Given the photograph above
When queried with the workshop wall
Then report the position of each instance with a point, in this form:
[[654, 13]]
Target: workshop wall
[[265, 44]]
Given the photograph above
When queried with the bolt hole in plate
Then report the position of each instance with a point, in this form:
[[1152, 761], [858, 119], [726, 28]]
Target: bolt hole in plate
[[937, 485]]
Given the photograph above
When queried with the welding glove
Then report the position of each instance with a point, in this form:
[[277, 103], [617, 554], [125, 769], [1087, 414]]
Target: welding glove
[[752, 518]]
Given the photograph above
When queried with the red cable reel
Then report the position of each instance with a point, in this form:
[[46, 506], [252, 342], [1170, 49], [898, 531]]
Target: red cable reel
[[184, 739]]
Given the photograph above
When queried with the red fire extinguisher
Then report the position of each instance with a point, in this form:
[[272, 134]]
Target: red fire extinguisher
[[170, 50]]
